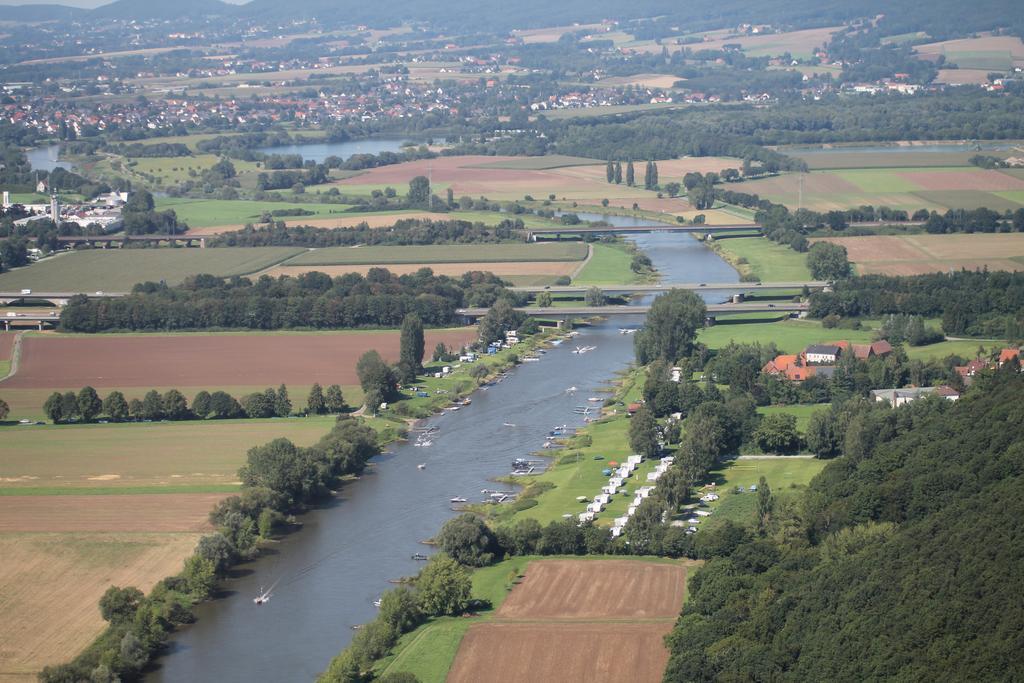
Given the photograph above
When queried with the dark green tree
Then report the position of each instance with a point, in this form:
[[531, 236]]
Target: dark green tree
[[468, 540], [443, 587], [630, 173], [411, 349], [315, 404], [609, 172], [115, 406], [671, 327], [828, 261], [643, 433], [618, 172], [765, 504], [89, 404], [334, 402], [175, 405], [419, 192], [201, 404], [118, 605], [54, 407], [777, 433], [152, 405], [282, 404]]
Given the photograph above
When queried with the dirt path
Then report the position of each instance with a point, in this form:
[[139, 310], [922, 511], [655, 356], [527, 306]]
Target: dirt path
[[15, 357], [579, 269]]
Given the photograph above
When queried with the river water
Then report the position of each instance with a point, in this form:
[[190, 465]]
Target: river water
[[331, 571], [318, 151]]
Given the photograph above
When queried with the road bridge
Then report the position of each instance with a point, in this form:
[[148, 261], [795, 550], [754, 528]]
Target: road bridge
[[38, 320], [595, 311], [55, 298], [122, 240], [654, 289]]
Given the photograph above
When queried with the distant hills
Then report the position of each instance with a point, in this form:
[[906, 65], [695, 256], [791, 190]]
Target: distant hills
[[146, 10]]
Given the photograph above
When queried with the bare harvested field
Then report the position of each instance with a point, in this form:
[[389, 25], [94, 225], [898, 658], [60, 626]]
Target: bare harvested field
[[597, 589], [377, 220], [962, 76], [988, 53], [644, 80], [44, 617], [546, 653], [207, 359], [477, 176], [551, 34], [158, 513], [919, 254], [453, 269], [6, 344]]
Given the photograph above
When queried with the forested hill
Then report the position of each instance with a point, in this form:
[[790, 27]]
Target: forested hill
[[905, 561]]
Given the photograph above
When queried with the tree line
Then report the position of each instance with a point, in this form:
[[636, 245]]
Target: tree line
[[310, 300], [975, 303], [86, 405]]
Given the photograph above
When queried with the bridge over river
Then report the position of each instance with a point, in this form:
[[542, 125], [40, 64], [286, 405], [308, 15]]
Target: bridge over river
[[532, 233], [657, 289], [594, 311]]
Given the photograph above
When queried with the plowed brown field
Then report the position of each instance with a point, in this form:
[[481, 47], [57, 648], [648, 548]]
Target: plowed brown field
[[578, 620], [207, 360], [597, 589], [543, 653]]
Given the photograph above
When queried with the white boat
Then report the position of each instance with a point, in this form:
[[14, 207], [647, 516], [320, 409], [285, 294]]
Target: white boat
[[458, 499], [507, 424], [571, 390], [421, 466], [377, 602], [263, 598]]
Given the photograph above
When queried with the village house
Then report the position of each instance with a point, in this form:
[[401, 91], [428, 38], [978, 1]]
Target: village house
[[899, 397], [822, 354]]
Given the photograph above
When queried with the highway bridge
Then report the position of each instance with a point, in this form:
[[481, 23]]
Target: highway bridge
[[595, 311], [532, 233], [38, 320], [121, 239], [654, 289], [55, 298]]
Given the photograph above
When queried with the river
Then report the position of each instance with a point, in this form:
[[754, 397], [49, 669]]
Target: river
[[331, 571], [318, 151]]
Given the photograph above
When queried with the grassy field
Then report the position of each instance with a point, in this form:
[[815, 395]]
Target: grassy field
[[767, 260], [802, 412], [790, 336], [158, 456], [447, 253], [785, 476], [120, 269], [608, 265], [202, 213]]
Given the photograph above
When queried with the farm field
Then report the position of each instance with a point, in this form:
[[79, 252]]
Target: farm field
[[910, 189], [446, 253], [562, 652], [203, 213], [598, 589], [919, 254], [989, 53], [44, 617], [478, 176], [896, 157], [118, 270], [207, 360], [339, 220], [767, 260], [130, 513], [541, 163], [662, 81], [164, 457], [802, 412], [559, 624]]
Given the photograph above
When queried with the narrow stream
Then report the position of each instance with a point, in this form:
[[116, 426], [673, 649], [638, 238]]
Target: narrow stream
[[332, 570]]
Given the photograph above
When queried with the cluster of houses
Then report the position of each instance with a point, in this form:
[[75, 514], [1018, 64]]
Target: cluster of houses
[[819, 360], [968, 372]]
